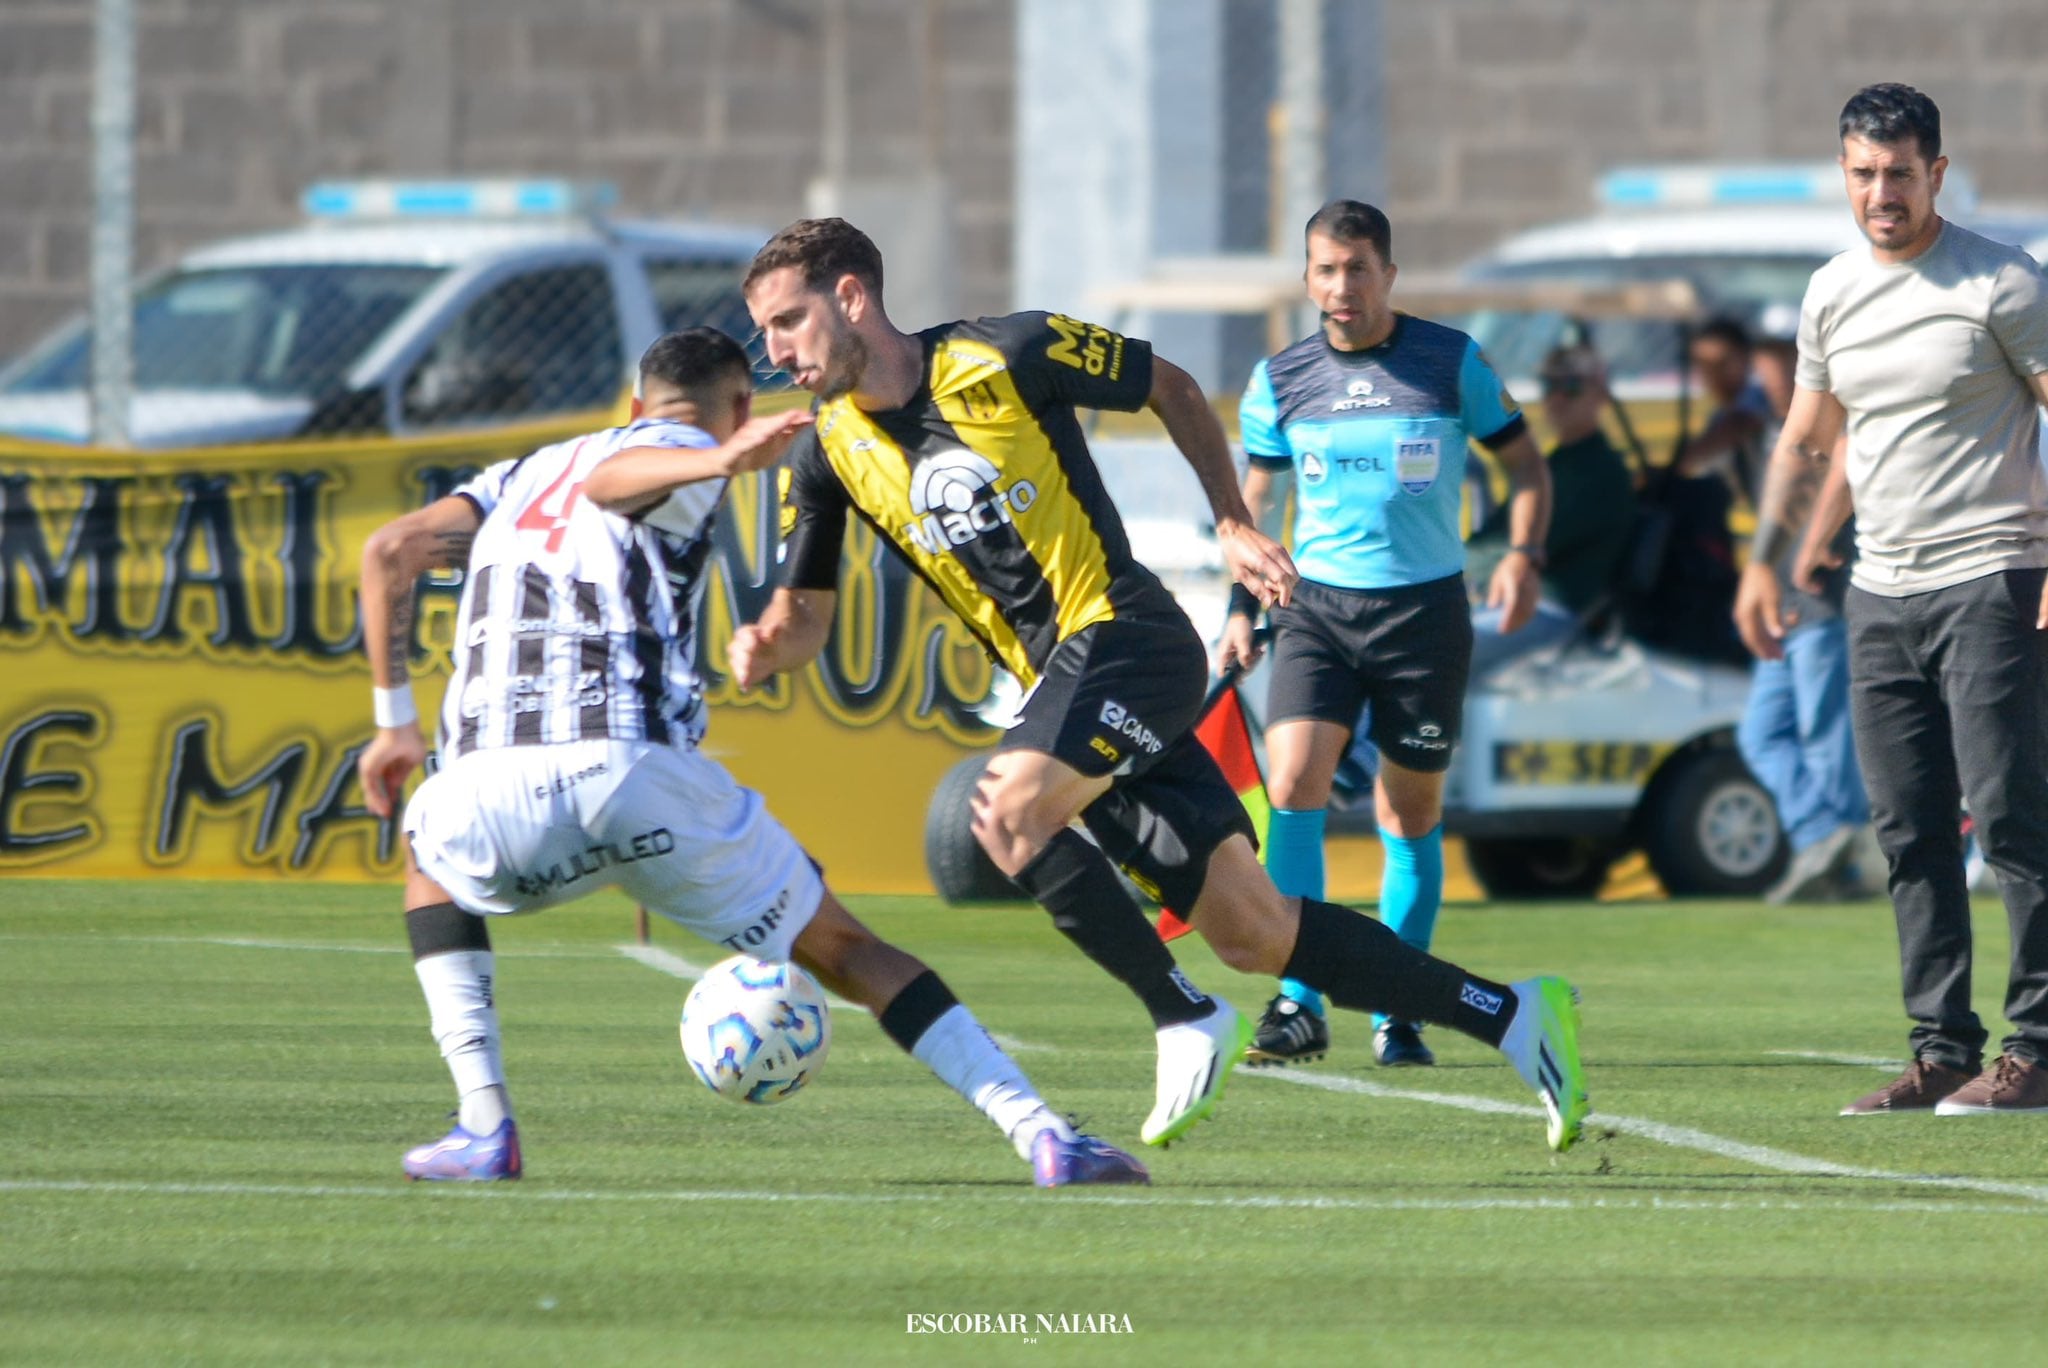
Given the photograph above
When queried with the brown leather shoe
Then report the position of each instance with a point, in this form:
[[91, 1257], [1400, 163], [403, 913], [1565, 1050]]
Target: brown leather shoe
[[1919, 1088], [2011, 1084]]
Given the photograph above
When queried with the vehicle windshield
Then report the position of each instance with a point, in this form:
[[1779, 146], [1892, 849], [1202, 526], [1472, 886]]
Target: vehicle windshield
[[267, 329], [1635, 349]]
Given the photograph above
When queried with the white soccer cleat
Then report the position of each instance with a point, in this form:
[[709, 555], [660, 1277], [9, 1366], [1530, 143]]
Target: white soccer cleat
[[1195, 1060], [1542, 1042]]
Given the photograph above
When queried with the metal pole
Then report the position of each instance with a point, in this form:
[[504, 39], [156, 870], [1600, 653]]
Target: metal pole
[[1303, 174], [113, 219]]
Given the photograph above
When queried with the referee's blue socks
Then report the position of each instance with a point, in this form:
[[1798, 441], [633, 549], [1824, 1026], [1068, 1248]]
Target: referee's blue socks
[[1411, 887], [1294, 858]]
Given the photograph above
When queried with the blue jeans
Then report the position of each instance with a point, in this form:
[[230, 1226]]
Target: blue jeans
[[1796, 738]]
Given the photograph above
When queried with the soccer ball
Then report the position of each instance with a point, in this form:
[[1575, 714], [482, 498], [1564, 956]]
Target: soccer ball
[[755, 1032]]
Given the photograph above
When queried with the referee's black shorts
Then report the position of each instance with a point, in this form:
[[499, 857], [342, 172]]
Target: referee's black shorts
[[1406, 651], [1121, 698]]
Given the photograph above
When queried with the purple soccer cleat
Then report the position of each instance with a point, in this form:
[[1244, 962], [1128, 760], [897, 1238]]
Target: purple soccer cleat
[[463, 1157], [1084, 1159]]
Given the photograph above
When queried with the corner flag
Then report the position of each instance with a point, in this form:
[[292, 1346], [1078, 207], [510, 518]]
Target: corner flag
[[1226, 735]]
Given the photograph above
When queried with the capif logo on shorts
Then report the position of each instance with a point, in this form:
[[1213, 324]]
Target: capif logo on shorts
[[1119, 720]]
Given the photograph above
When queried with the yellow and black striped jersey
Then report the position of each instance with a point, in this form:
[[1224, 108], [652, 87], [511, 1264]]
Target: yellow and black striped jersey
[[984, 484]]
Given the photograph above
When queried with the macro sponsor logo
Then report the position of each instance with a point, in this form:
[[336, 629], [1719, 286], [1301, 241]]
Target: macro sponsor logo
[[954, 498], [1119, 720], [592, 858]]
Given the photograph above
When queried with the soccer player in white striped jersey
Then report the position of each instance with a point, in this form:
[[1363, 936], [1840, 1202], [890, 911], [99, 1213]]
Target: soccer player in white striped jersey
[[569, 752]]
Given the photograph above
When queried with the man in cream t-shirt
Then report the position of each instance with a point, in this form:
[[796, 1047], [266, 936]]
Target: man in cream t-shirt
[[1931, 346]]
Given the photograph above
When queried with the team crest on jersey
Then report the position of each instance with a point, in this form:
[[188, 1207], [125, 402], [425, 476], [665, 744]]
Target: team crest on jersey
[[1313, 467], [1416, 463], [954, 498]]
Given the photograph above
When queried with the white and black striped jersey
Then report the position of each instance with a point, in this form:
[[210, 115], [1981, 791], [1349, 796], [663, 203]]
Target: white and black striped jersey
[[578, 624]]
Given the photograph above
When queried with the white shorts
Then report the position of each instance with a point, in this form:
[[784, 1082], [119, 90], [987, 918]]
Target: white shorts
[[520, 828]]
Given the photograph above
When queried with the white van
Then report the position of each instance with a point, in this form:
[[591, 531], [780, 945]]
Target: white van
[[399, 307]]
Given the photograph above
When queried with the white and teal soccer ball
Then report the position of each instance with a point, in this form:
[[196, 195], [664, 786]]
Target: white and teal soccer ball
[[755, 1032]]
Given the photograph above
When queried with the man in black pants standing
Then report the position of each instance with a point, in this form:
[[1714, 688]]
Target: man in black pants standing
[[1932, 347]]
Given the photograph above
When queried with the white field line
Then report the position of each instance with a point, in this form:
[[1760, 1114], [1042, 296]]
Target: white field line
[[316, 947], [1678, 1137], [1827, 1057], [528, 1192], [675, 966]]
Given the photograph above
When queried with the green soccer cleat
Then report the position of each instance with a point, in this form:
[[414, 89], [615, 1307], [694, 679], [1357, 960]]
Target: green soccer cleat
[[1542, 1042], [1195, 1061]]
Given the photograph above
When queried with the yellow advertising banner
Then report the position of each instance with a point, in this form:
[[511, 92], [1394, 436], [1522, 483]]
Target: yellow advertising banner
[[183, 690]]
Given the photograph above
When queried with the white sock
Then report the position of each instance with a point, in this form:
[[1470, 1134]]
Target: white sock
[[960, 1052], [464, 1020]]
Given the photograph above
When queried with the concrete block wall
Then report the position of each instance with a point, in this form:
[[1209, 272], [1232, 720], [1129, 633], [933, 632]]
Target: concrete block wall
[[707, 108], [1501, 113], [1498, 113]]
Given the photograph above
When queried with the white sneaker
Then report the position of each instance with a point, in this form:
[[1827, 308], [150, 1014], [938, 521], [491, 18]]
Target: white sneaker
[[1542, 1042], [1195, 1061]]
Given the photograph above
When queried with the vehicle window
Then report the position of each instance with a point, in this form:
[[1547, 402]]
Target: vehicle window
[[274, 330], [692, 292], [1633, 348], [546, 341]]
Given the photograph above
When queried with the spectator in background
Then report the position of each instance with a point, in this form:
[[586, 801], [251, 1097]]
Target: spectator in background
[[1593, 511], [1795, 733], [1734, 443]]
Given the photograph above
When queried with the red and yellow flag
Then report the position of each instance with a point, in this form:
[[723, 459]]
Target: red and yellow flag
[[1225, 734]]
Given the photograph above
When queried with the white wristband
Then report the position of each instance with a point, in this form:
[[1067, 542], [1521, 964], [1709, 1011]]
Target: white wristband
[[394, 707]]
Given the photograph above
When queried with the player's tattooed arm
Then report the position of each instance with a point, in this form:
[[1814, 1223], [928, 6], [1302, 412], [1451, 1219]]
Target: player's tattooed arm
[[1255, 560], [1798, 466], [437, 537]]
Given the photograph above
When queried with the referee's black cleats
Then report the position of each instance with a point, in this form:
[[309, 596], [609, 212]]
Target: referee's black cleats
[[1398, 1045], [1288, 1033]]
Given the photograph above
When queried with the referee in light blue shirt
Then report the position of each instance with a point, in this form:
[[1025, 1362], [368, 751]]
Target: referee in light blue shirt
[[1371, 417]]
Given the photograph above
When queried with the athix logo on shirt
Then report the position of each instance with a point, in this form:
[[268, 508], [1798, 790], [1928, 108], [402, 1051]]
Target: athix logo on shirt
[[1119, 720], [953, 493], [1359, 395]]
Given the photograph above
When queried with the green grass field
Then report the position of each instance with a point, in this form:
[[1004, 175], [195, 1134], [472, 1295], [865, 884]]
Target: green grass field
[[204, 1091]]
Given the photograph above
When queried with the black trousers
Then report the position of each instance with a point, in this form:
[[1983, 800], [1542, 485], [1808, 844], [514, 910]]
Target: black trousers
[[1949, 697]]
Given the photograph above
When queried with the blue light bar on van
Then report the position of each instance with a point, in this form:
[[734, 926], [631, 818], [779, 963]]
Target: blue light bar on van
[[1703, 187], [480, 199]]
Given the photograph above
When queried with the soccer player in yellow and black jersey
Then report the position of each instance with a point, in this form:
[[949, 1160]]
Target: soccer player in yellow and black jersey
[[961, 447]]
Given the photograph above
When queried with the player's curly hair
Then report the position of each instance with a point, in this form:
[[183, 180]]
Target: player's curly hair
[[822, 250], [1889, 113]]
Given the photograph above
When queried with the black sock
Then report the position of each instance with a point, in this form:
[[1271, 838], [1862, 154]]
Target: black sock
[[1075, 882], [439, 928], [911, 1012], [1361, 965]]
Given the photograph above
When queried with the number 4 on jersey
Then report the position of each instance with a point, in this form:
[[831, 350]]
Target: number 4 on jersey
[[550, 512]]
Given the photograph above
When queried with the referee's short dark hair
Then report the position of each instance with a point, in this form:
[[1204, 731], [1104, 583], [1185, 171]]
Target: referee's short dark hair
[[822, 250], [694, 361], [1891, 113], [1350, 220]]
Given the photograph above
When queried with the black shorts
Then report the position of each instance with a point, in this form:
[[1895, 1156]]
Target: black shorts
[[1406, 651], [1113, 696], [1121, 698]]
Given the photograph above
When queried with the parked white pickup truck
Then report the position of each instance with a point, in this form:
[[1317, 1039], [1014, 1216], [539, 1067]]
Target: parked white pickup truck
[[401, 307]]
